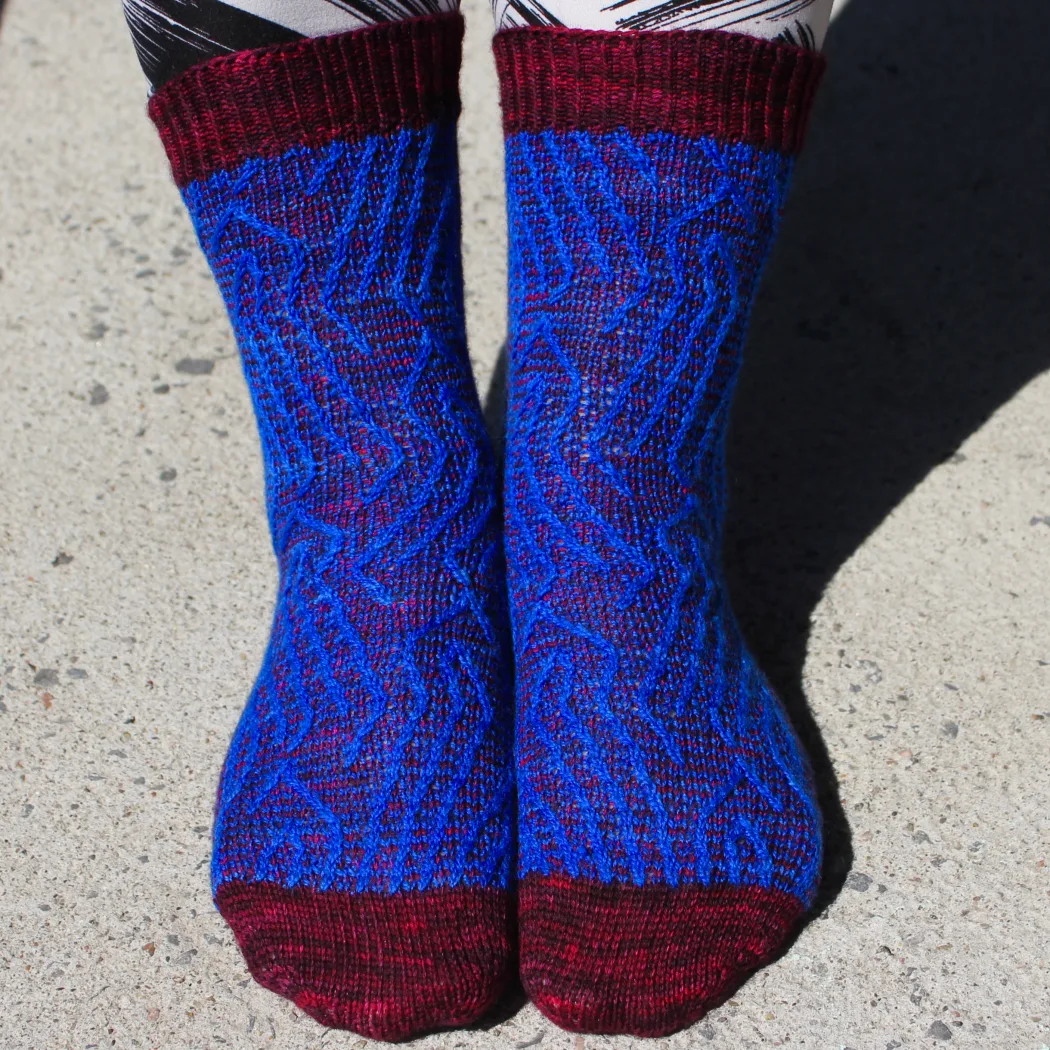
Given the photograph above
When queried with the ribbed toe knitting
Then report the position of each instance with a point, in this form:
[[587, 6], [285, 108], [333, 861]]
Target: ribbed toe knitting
[[364, 824], [669, 833]]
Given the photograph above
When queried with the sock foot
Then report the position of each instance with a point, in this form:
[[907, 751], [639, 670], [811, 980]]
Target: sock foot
[[644, 960], [388, 967]]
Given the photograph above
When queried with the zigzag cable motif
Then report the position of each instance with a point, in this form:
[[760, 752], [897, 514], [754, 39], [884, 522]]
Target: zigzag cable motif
[[650, 748], [374, 750]]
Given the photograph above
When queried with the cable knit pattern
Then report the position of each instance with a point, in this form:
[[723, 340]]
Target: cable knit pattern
[[373, 752], [651, 749]]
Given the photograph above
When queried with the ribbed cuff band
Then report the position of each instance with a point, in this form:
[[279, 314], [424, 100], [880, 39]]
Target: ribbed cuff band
[[732, 87], [261, 103]]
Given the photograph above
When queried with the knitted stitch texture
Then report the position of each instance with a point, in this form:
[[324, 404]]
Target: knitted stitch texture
[[669, 833], [363, 830]]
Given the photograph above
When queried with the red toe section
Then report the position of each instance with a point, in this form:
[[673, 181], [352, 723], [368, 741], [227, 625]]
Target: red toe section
[[648, 960], [386, 966]]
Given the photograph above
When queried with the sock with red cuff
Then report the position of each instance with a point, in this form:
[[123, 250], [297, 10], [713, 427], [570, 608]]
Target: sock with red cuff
[[669, 834], [364, 826]]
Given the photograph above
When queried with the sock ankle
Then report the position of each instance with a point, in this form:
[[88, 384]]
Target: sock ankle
[[669, 834], [363, 831]]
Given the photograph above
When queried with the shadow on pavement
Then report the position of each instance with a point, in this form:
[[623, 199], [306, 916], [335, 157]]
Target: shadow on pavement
[[907, 300]]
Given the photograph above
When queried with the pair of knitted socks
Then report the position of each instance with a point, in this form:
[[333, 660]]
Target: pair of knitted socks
[[382, 843]]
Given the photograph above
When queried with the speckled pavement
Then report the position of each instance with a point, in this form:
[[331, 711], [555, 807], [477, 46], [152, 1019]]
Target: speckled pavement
[[889, 546]]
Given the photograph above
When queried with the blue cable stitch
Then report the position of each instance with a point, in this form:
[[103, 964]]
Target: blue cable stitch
[[313, 307], [631, 358]]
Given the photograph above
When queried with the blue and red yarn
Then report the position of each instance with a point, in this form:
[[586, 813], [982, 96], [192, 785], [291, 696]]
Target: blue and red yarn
[[650, 747], [372, 752], [666, 806], [363, 846], [364, 842]]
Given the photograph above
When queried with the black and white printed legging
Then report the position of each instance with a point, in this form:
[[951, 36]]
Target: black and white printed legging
[[173, 35]]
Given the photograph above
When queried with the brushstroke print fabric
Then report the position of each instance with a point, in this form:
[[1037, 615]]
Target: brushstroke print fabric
[[799, 22], [171, 36]]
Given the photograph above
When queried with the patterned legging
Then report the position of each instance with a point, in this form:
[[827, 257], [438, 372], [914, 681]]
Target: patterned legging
[[801, 22], [172, 35]]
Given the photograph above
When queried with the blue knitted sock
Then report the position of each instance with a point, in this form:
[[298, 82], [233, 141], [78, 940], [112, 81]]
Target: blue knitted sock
[[669, 834], [363, 832]]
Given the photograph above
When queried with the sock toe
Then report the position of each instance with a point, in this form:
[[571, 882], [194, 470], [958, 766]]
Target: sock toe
[[645, 961], [385, 966]]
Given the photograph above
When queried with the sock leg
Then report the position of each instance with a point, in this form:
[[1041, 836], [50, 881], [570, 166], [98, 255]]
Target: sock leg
[[363, 831], [172, 36], [803, 23], [669, 833]]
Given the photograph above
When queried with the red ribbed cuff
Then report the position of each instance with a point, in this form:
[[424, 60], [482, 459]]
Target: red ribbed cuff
[[261, 103], [734, 88]]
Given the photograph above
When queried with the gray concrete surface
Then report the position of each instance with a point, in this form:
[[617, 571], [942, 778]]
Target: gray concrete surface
[[890, 546]]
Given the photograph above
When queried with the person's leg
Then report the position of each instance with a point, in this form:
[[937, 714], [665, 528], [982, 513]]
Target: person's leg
[[173, 35], [800, 22], [363, 843], [669, 834]]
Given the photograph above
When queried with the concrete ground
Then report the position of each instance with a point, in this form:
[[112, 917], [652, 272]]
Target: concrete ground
[[889, 549]]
